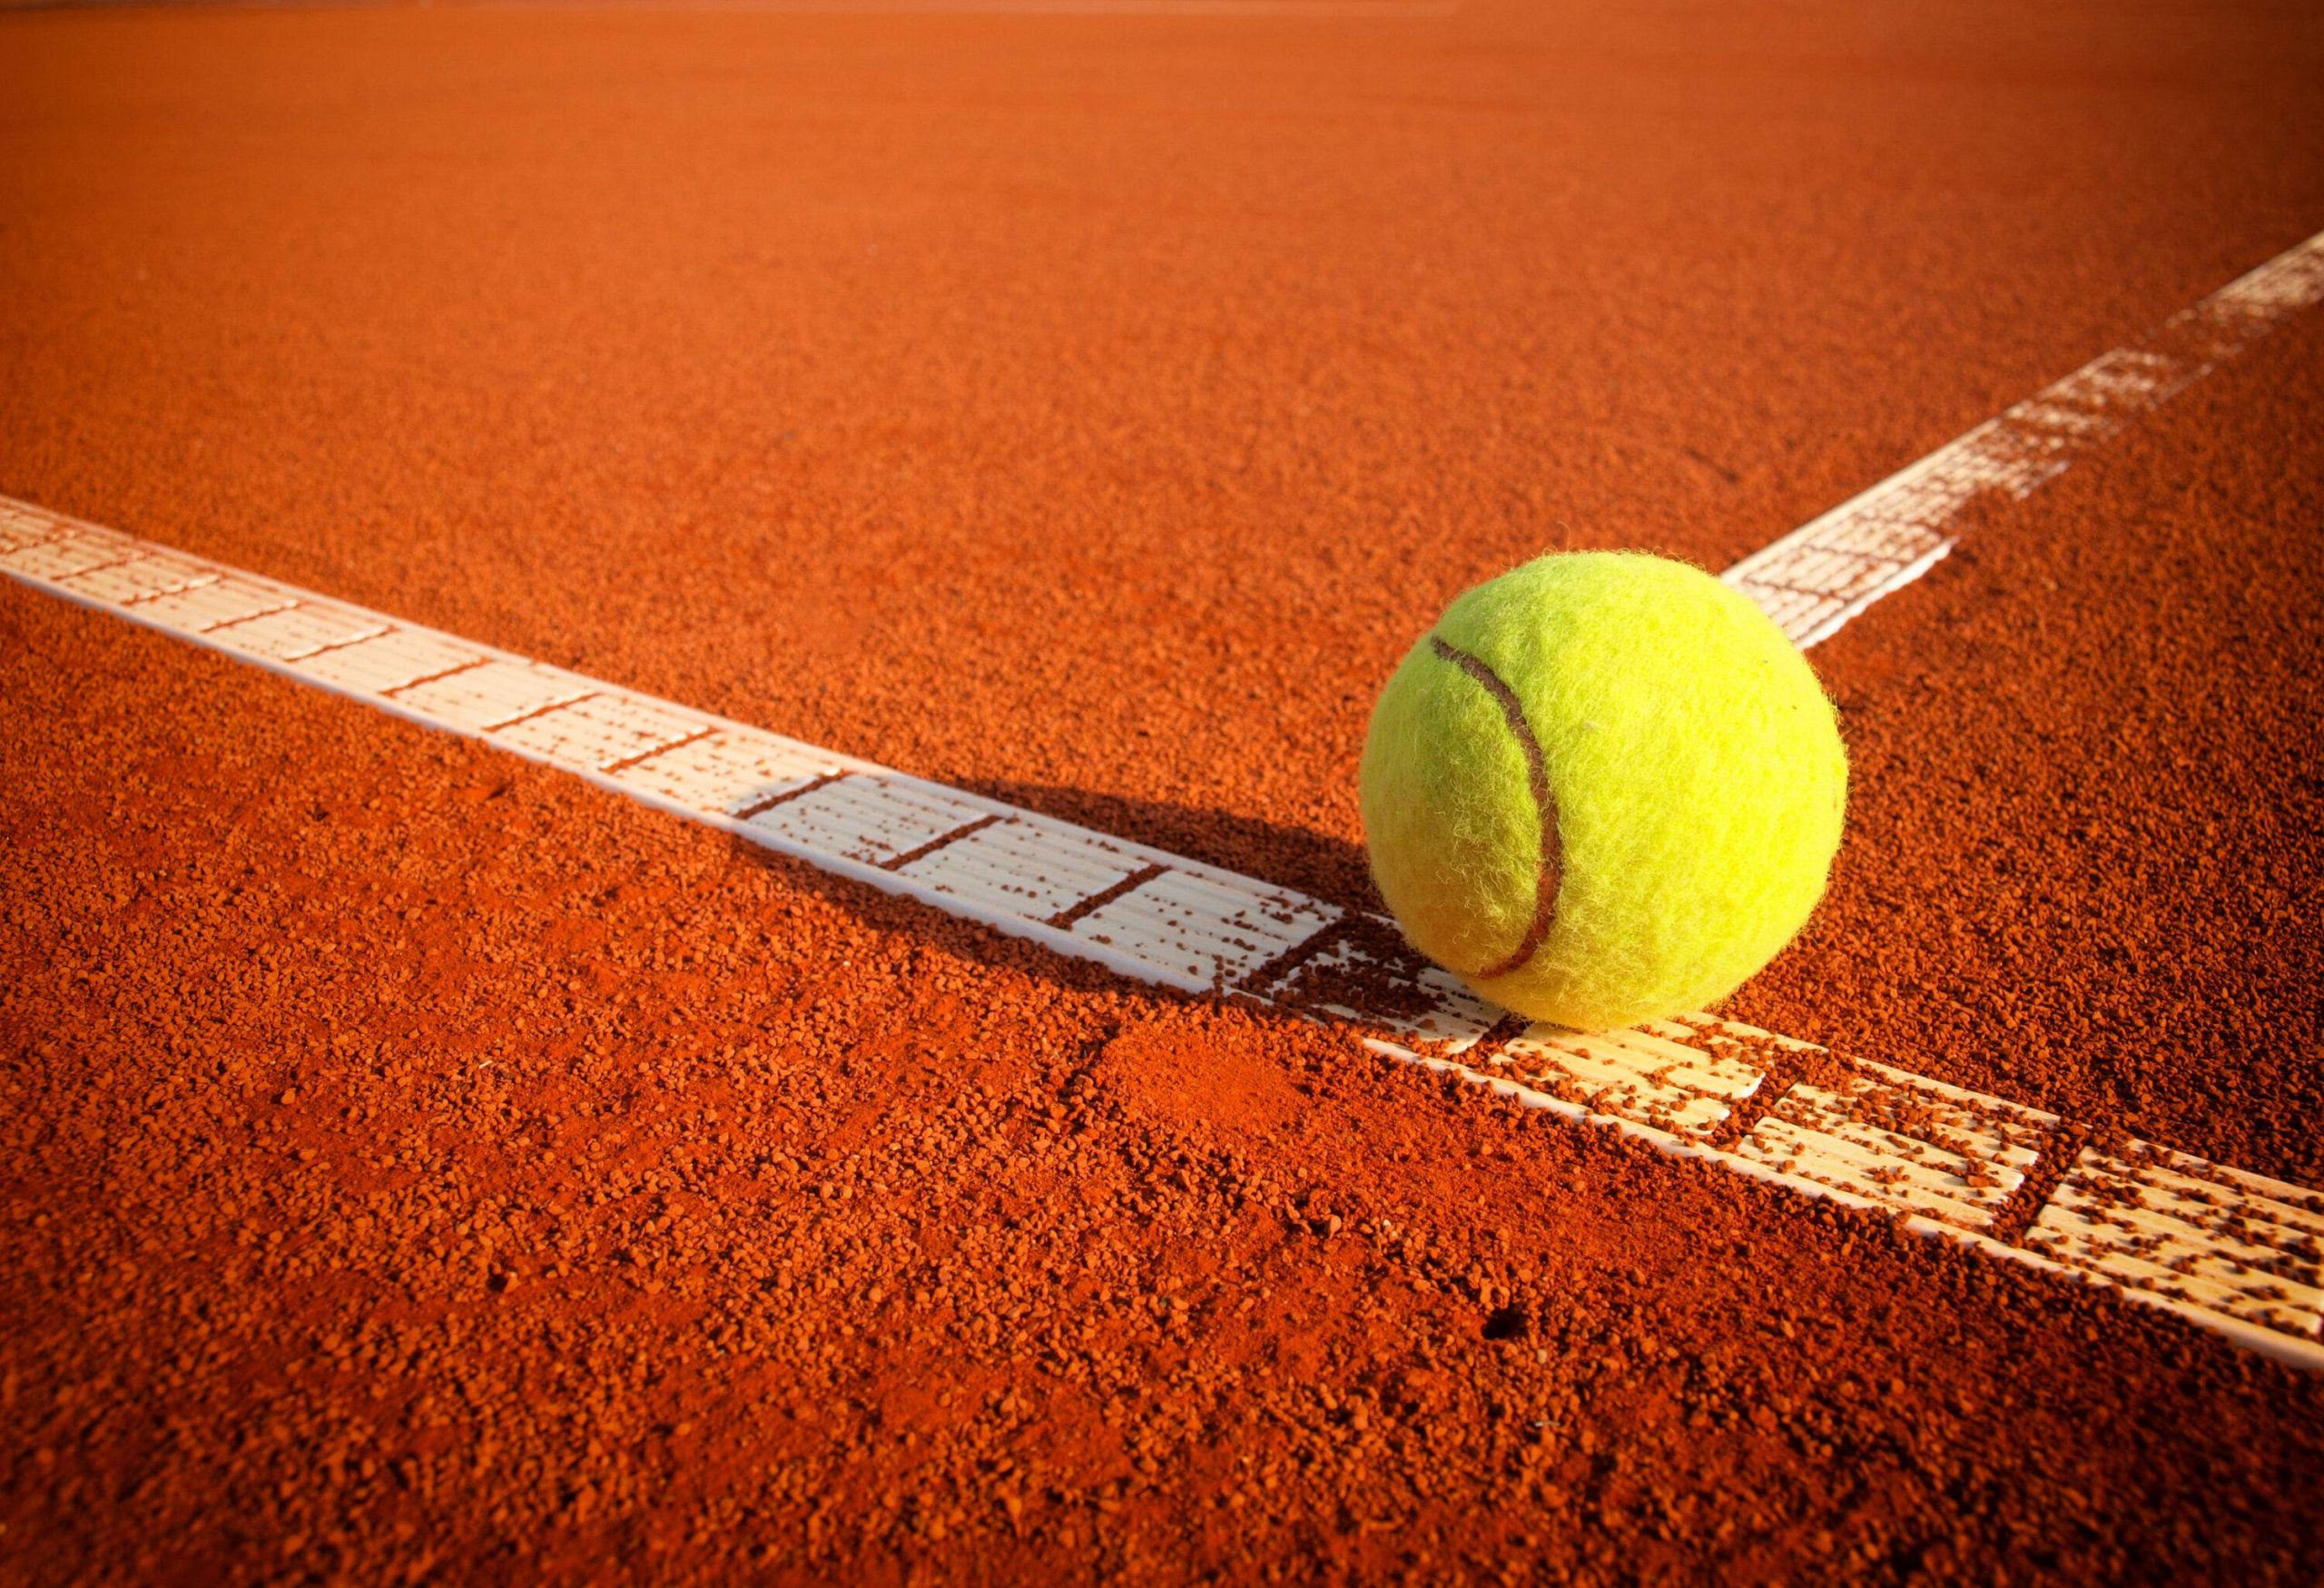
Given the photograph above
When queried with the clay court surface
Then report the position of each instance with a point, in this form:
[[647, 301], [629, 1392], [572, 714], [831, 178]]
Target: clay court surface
[[417, 1165]]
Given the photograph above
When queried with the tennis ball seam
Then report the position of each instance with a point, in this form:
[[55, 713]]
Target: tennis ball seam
[[1537, 783]]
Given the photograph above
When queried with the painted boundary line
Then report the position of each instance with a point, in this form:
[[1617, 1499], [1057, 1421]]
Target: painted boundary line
[[2233, 1252], [1829, 569]]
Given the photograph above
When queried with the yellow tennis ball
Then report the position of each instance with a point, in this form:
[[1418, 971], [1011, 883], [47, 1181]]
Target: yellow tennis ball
[[1604, 788]]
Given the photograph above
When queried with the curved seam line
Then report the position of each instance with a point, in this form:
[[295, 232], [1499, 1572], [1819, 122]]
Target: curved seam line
[[1537, 781]]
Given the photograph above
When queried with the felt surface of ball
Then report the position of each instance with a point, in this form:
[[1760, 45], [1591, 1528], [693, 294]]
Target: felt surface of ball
[[1604, 788]]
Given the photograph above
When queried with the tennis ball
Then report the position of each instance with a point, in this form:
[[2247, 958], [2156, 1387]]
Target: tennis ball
[[1604, 788]]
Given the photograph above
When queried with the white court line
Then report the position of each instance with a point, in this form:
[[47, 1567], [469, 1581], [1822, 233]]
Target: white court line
[[2234, 1253], [2230, 1251], [1823, 574]]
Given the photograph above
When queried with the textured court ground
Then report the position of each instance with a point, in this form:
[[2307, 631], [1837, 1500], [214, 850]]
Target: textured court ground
[[422, 1163]]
